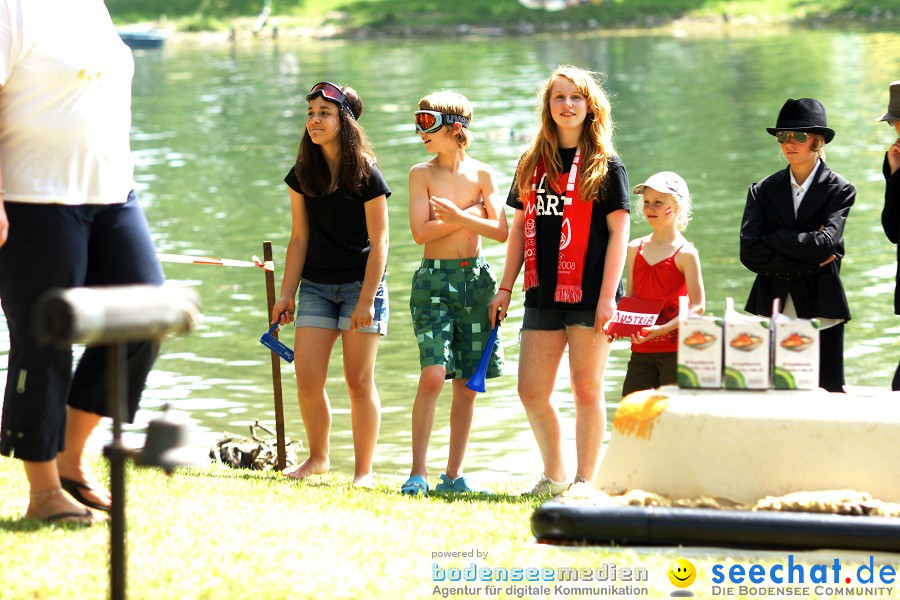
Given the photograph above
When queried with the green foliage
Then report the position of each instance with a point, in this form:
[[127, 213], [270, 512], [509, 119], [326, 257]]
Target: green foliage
[[151, 9], [201, 22], [427, 15]]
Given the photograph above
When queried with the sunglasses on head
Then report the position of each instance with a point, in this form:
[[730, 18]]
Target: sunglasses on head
[[332, 93], [428, 121], [799, 136]]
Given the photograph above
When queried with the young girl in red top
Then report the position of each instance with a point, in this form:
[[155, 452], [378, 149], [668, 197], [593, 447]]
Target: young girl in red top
[[661, 266]]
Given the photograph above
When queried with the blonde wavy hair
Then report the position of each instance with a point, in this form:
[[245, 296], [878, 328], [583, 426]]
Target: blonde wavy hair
[[596, 136]]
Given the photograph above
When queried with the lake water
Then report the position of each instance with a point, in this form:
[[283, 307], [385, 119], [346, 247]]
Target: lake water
[[216, 128]]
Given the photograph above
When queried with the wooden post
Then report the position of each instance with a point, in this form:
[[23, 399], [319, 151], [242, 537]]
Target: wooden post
[[276, 361]]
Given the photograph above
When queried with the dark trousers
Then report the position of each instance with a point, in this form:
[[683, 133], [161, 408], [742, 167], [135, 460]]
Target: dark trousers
[[831, 358], [57, 246], [649, 370], [895, 384]]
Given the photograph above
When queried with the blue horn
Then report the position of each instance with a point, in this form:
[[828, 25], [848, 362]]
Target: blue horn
[[271, 342], [476, 381]]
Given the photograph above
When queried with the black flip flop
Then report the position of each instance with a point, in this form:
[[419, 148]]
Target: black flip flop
[[74, 488], [79, 518]]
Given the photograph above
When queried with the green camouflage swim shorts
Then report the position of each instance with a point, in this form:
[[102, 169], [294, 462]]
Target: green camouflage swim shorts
[[449, 305]]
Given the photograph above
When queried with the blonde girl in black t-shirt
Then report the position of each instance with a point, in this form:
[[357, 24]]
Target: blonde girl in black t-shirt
[[336, 257], [570, 232]]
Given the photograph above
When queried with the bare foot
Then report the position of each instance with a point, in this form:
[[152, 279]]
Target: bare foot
[[366, 481], [58, 507], [308, 467]]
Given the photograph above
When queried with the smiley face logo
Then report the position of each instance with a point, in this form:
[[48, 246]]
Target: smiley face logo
[[682, 573]]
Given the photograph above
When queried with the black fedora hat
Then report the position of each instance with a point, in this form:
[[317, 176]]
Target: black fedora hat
[[804, 114], [893, 109]]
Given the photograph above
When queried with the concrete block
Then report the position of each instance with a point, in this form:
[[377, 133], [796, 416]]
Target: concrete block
[[745, 445]]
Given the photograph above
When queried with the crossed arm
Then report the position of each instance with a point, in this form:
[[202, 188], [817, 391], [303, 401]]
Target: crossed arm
[[788, 252], [484, 217]]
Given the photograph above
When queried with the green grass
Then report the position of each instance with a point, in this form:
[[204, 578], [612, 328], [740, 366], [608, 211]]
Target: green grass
[[226, 534], [429, 16]]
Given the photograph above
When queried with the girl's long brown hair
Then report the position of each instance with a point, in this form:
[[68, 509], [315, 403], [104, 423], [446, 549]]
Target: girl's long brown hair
[[357, 156], [596, 137]]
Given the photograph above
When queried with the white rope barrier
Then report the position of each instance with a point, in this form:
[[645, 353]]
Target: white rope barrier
[[221, 262]]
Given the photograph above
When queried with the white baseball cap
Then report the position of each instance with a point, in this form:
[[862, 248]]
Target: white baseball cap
[[666, 182]]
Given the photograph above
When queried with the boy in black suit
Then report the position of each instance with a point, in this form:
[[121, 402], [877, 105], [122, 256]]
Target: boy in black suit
[[792, 234]]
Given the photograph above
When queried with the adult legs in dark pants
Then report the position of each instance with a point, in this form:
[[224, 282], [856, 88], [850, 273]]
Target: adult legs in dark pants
[[53, 246], [831, 358], [895, 384]]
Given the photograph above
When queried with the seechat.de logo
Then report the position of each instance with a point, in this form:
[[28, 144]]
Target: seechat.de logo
[[682, 574]]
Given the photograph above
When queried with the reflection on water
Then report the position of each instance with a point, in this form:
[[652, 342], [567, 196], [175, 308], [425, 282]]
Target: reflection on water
[[216, 128]]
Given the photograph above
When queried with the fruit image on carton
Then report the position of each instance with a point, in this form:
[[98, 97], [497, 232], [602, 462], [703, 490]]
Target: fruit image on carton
[[699, 349], [747, 350], [796, 353]]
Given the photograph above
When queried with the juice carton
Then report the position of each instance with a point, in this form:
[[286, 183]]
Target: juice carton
[[699, 349], [748, 350], [796, 352]]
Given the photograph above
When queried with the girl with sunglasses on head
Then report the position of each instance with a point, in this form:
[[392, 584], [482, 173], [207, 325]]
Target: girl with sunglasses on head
[[890, 215], [336, 256], [792, 234], [570, 231]]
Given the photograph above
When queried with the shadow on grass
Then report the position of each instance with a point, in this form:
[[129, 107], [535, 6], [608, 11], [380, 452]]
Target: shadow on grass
[[226, 473], [26, 525], [487, 498], [332, 482]]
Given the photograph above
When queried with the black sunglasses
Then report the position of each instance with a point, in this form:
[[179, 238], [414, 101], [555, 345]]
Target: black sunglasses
[[799, 136]]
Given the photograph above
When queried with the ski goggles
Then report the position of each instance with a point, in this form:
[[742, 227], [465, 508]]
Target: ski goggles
[[428, 121], [799, 136], [332, 93]]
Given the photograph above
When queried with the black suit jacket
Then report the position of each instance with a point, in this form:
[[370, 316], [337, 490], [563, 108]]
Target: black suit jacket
[[890, 219], [785, 251]]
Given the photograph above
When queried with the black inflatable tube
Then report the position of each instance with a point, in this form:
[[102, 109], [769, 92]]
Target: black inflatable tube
[[555, 522]]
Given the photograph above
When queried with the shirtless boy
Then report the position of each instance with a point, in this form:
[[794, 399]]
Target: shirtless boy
[[453, 202]]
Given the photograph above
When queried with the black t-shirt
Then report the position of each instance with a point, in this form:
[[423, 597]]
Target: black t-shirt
[[613, 195], [338, 237]]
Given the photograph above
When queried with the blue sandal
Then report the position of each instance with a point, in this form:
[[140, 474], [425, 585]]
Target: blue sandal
[[458, 486], [415, 486]]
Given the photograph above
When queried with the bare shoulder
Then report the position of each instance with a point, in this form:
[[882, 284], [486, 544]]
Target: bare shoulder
[[480, 166], [420, 169], [634, 244], [688, 248], [687, 254]]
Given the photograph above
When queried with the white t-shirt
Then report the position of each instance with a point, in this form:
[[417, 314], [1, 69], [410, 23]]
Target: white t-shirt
[[798, 193], [65, 106]]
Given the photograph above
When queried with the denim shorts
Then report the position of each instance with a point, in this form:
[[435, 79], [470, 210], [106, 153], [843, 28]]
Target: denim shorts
[[330, 305], [548, 319]]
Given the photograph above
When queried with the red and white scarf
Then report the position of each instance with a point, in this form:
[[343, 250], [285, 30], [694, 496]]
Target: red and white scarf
[[573, 239]]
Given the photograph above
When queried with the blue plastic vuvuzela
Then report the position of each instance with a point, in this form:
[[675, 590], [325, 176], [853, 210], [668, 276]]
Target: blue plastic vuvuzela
[[476, 381]]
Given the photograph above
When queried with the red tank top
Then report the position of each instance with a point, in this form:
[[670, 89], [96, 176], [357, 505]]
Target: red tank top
[[661, 281]]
